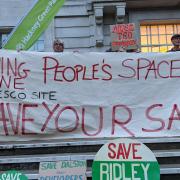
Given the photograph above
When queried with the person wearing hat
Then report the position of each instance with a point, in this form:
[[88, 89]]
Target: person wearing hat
[[58, 46], [175, 39]]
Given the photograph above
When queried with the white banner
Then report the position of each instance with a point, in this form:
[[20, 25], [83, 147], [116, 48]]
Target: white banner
[[88, 95], [63, 170]]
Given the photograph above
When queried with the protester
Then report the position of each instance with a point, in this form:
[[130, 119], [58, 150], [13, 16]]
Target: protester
[[175, 39], [133, 50], [58, 46], [109, 50]]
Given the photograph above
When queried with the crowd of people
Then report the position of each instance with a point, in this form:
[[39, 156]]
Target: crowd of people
[[58, 46]]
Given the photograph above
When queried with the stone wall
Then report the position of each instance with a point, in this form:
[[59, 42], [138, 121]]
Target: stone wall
[[84, 24]]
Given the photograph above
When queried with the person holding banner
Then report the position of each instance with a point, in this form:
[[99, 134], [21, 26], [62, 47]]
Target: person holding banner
[[58, 46], [136, 50], [121, 49], [175, 39]]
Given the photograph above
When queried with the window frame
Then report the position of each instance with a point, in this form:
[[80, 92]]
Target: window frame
[[4, 30], [148, 35]]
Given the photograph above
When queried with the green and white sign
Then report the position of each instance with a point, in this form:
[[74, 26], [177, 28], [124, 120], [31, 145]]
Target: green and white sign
[[125, 159], [13, 175], [33, 24], [63, 170]]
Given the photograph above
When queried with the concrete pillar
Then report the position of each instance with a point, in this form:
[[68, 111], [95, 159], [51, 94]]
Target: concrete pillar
[[49, 36], [120, 12], [98, 12]]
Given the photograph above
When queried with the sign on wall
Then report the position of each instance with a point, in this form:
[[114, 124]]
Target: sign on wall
[[74, 95], [75, 170], [122, 36], [12, 175], [33, 24], [125, 159]]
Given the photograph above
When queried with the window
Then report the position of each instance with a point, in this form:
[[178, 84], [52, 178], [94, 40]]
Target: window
[[4, 32], [3, 38], [157, 38], [38, 46]]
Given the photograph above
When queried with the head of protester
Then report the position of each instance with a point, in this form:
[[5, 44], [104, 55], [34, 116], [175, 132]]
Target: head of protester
[[58, 46], [175, 39]]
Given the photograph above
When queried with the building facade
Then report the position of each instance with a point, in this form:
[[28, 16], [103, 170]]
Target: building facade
[[84, 25]]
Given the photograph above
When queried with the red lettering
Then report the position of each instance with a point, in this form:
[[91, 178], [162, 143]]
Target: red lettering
[[57, 72], [78, 69], [94, 70], [158, 69], [10, 67], [173, 117], [149, 109], [128, 67], [73, 75], [134, 149], [25, 71], [100, 122], [119, 122], [50, 112], [24, 119], [46, 66], [3, 118], [111, 153], [151, 68], [104, 66], [141, 65], [14, 128], [121, 151], [17, 84], [84, 75], [174, 68], [126, 152], [76, 119], [7, 81]]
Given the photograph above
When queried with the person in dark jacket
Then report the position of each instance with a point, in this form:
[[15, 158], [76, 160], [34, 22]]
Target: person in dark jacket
[[175, 39]]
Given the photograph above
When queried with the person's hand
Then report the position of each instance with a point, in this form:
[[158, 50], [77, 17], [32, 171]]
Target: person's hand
[[121, 49]]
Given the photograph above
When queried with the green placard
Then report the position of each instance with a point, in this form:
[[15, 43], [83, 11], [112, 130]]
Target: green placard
[[13, 175], [125, 159], [33, 24]]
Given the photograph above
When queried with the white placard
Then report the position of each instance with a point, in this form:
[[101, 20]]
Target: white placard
[[62, 170]]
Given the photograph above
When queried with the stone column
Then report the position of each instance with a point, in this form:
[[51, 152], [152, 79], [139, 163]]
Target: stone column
[[98, 11], [120, 13], [49, 36]]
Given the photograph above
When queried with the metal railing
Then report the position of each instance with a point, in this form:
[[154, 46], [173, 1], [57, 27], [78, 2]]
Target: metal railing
[[30, 154]]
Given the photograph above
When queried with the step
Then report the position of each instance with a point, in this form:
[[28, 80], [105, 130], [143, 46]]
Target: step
[[80, 142], [170, 169], [71, 156]]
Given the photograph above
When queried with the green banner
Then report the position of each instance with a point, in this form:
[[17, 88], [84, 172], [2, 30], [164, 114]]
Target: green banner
[[104, 170], [33, 24]]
